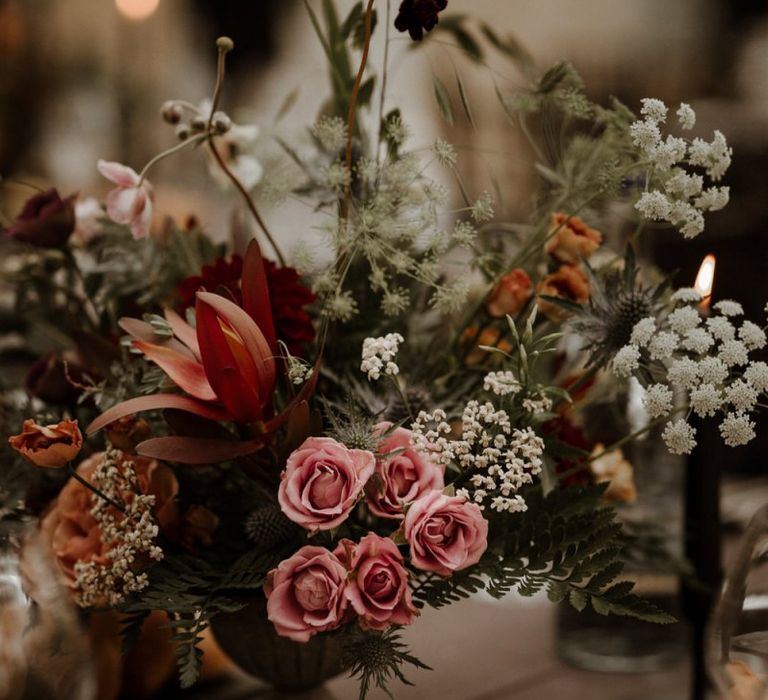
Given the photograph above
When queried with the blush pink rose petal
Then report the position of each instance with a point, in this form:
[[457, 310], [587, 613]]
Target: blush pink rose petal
[[403, 477], [306, 594], [322, 481], [378, 586], [129, 203], [445, 533]]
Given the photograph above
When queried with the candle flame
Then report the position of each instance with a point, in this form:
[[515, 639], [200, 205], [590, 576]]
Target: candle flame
[[705, 280], [137, 10]]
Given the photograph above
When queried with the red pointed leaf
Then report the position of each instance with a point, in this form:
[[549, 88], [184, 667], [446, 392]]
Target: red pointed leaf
[[188, 450], [183, 331], [256, 301], [187, 373], [156, 402]]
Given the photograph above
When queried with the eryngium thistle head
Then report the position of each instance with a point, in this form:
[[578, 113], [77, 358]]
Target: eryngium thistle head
[[267, 527], [351, 425], [617, 302]]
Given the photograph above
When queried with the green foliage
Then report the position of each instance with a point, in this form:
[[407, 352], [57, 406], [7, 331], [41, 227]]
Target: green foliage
[[566, 543], [376, 658]]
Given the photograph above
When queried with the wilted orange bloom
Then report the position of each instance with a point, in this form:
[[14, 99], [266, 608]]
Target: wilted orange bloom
[[127, 432], [51, 446], [568, 282], [614, 468], [492, 337], [571, 239], [510, 295]]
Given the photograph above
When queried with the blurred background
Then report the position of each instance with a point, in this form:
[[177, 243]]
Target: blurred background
[[82, 80]]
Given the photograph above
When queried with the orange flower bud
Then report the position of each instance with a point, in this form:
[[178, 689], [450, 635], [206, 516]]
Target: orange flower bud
[[127, 432], [50, 446], [510, 295], [568, 282], [572, 239]]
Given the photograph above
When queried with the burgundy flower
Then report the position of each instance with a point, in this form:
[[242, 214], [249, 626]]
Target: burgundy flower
[[46, 220], [293, 325], [416, 16]]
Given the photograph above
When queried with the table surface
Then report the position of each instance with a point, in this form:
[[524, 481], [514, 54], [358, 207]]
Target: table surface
[[486, 650]]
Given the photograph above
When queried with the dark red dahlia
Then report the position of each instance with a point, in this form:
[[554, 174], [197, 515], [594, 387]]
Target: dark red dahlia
[[293, 325], [416, 16], [46, 220]]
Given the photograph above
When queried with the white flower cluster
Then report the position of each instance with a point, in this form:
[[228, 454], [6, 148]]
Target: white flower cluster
[[496, 458], [680, 197], [501, 383], [707, 360], [128, 537], [379, 355]]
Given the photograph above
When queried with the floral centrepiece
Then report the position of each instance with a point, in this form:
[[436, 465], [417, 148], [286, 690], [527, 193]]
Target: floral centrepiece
[[395, 424]]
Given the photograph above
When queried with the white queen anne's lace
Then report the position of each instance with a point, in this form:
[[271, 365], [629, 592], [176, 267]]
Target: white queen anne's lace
[[379, 355]]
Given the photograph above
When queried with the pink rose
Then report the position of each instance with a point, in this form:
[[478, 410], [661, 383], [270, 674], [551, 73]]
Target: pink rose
[[131, 201], [378, 585], [446, 533], [403, 477], [306, 594], [322, 481]]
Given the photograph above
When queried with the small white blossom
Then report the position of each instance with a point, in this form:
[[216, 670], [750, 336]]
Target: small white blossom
[[679, 437], [713, 198], [482, 209], [706, 399], [331, 132], [736, 429], [686, 116], [712, 370], [752, 335], [645, 134], [721, 328], [733, 352], [668, 152], [658, 400], [741, 395], [697, 340], [714, 157], [662, 345], [653, 109], [684, 373], [501, 383], [728, 307], [445, 152], [684, 185], [654, 205], [684, 319], [686, 295], [379, 355], [757, 375], [643, 331], [626, 361]]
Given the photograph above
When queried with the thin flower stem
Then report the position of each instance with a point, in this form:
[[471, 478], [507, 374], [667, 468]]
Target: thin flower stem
[[384, 73], [403, 396], [169, 152], [73, 473], [352, 114]]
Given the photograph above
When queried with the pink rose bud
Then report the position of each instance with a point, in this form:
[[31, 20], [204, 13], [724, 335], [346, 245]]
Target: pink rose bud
[[402, 477], [306, 594], [446, 533], [131, 201], [378, 585], [322, 481]]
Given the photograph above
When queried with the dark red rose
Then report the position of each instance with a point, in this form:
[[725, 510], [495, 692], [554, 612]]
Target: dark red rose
[[416, 16], [46, 220], [288, 297]]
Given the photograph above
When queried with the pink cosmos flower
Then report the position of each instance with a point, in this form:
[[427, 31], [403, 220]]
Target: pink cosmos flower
[[377, 586], [322, 481], [446, 533], [306, 594], [403, 477], [129, 203]]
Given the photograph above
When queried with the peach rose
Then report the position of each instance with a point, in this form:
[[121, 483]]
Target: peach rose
[[306, 594], [568, 282], [322, 481], [571, 239], [402, 477], [50, 446], [378, 585], [510, 295], [446, 533], [73, 532], [617, 471]]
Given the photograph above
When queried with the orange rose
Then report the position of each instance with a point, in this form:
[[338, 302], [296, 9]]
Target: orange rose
[[510, 295], [51, 446], [73, 532], [491, 337], [569, 283], [571, 239]]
